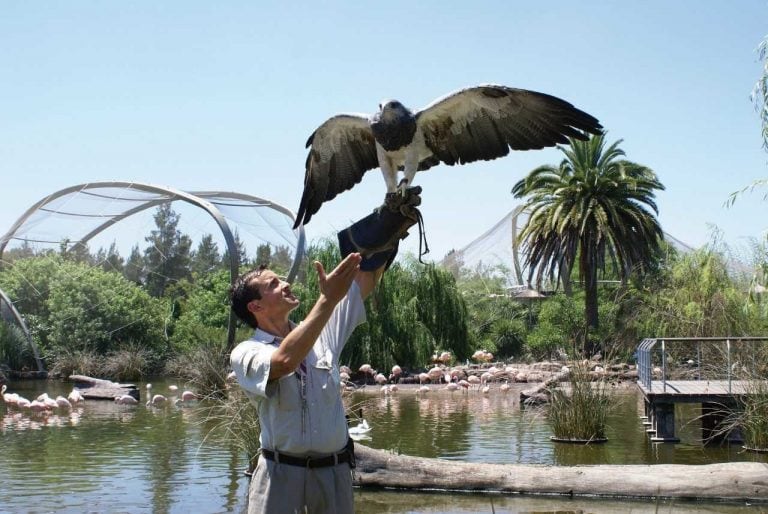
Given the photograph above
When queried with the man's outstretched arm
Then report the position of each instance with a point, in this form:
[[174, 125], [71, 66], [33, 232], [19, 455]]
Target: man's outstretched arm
[[333, 287]]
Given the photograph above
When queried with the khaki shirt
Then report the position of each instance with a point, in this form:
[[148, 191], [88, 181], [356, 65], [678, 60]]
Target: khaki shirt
[[301, 413]]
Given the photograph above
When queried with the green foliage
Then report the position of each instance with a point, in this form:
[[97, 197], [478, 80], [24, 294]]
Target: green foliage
[[580, 410], [497, 323], [204, 311], [72, 307], [414, 310], [167, 258], [560, 326], [15, 351], [697, 298]]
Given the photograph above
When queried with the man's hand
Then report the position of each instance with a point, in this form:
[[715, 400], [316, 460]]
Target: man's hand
[[334, 285]]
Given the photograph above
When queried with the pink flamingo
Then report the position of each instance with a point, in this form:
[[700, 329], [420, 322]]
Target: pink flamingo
[[126, 399], [157, 400]]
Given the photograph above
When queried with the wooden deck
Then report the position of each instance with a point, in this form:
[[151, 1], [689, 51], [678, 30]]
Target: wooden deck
[[715, 396], [695, 390]]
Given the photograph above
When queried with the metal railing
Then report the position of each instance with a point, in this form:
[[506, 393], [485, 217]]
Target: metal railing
[[645, 356]]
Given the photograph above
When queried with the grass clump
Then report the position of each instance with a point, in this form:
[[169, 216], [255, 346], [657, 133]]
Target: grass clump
[[78, 362], [752, 416], [579, 411], [126, 364]]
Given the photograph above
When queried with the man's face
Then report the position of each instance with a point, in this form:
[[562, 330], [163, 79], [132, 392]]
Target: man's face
[[276, 295]]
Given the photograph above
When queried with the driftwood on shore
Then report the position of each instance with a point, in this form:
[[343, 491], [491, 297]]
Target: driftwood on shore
[[99, 389], [733, 481]]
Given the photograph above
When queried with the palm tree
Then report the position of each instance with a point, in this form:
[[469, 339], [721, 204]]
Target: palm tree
[[591, 208]]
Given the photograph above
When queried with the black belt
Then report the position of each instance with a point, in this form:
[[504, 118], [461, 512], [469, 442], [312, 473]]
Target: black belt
[[307, 462]]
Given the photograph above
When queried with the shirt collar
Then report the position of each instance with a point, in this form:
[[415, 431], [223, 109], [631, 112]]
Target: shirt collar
[[266, 337]]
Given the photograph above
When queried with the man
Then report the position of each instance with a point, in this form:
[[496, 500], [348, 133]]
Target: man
[[291, 372]]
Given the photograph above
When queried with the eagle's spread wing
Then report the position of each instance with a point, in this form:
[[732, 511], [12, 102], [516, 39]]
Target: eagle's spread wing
[[341, 150], [484, 122]]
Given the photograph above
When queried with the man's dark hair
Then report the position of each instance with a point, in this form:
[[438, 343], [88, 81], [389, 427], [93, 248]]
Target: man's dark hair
[[242, 292]]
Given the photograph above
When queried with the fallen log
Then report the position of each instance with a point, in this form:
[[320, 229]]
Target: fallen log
[[540, 393], [99, 389], [733, 481]]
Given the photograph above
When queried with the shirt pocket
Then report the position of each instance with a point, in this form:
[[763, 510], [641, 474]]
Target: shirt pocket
[[327, 382]]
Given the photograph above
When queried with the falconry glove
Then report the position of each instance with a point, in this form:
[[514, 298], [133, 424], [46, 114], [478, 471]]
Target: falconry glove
[[377, 236]]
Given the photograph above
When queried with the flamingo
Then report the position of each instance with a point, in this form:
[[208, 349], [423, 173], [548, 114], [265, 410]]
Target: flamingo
[[464, 384], [188, 396], [11, 398], [380, 379], [173, 388], [23, 403], [157, 400], [47, 401], [393, 388], [504, 387], [75, 396], [126, 399], [62, 402], [452, 386], [37, 406], [486, 389]]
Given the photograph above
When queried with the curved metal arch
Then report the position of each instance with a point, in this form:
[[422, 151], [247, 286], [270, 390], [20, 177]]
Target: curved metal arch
[[300, 243], [24, 328], [174, 195]]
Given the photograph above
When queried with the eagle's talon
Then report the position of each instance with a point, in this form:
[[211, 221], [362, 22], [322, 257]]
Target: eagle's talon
[[402, 187]]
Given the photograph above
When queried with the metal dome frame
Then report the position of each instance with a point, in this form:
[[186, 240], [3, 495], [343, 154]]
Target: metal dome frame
[[24, 328], [202, 199]]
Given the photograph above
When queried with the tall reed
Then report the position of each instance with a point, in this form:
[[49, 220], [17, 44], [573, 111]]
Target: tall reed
[[579, 411]]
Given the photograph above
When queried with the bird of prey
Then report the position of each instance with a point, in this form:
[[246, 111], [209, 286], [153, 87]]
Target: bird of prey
[[476, 123]]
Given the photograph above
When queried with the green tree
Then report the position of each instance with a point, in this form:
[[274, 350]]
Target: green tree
[[134, 267], [240, 251], [414, 311], [206, 257], [592, 208], [167, 258]]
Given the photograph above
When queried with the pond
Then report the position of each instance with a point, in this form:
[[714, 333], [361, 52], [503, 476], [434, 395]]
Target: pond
[[105, 458]]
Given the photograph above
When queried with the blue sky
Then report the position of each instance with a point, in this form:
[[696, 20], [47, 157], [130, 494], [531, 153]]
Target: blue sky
[[223, 95]]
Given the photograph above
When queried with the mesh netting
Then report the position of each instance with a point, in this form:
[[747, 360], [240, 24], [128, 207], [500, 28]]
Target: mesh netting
[[102, 214], [498, 252]]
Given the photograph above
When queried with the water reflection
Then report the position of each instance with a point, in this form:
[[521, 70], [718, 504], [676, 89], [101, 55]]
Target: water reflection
[[104, 457], [470, 426]]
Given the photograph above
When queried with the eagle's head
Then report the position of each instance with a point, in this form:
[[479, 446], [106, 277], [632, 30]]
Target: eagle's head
[[393, 126], [392, 110]]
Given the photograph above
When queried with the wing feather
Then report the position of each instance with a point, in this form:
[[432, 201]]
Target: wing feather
[[341, 150], [484, 122]]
